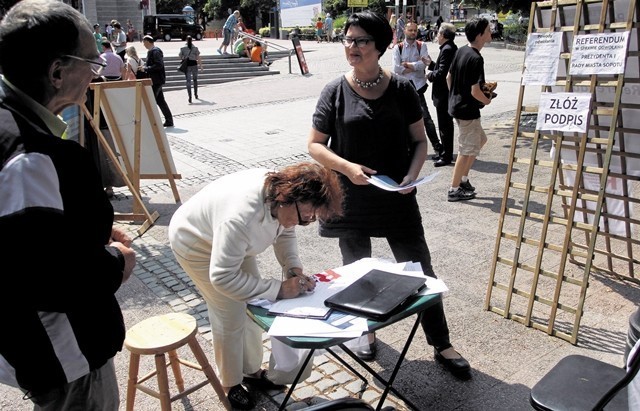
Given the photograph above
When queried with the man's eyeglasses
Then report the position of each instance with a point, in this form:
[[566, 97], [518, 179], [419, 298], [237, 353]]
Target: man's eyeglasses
[[300, 220], [359, 42], [96, 65]]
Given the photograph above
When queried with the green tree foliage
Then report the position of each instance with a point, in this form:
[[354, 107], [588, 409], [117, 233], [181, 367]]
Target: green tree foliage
[[171, 6], [338, 7], [249, 9], [503, 6]]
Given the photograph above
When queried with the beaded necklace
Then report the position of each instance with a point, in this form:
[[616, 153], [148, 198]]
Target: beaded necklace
[[368, 84]]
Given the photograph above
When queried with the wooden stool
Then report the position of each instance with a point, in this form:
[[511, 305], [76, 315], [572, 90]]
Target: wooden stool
[[165, 334]]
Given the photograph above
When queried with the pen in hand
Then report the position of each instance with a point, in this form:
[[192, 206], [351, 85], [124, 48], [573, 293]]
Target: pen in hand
[[306, 284]]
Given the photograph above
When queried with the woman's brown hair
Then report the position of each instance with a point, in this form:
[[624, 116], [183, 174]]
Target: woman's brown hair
[[306, 183]]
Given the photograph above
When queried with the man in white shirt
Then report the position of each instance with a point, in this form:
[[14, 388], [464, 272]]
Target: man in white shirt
[[119, 41], [410, 58]]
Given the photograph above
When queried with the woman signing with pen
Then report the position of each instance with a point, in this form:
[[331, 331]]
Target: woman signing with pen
[[216, 236]]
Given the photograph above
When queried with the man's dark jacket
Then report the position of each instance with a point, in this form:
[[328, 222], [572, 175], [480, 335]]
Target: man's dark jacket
[[61, 318]]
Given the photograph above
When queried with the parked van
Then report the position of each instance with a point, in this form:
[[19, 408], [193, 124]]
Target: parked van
[[170, 26]]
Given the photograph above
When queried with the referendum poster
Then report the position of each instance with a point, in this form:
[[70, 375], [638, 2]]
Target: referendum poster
[[540, 61], [603, 53], [299, 12]]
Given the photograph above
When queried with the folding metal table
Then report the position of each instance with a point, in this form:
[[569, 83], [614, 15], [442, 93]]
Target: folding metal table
[[416, 306]]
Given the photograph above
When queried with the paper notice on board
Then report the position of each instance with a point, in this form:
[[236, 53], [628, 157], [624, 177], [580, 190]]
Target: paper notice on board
[[603, 53], [541, 59], [564, 112]]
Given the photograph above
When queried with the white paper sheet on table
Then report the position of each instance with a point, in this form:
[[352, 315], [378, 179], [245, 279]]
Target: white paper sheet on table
[[331, 281], [335, 280], [349, 327]]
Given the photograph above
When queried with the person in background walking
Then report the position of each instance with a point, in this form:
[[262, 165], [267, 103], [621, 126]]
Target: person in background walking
[[465, 81], [229, 27], [409, 59], [440, 91], [132, 64], [98, 36], [62, 258], [319, 29], [119, 41], [400, 28], [393, 22], [194, 61], [154, 66], [328, 27]]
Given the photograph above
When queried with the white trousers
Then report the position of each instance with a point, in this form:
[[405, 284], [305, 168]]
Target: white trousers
[[237, 341]]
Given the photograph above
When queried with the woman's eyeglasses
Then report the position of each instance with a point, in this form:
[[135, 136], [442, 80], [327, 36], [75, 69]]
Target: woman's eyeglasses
[[96, 66], [300, 220], [359, 42]]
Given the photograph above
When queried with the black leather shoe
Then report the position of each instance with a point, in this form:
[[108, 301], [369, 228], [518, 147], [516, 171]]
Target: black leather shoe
[[436, 156], [240, 399], [167, 124], [459, 367], [367, 353], [442, 162]]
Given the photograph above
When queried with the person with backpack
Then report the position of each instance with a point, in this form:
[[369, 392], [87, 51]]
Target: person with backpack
[[408, 60]]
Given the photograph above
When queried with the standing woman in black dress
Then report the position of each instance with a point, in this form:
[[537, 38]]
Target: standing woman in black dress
[[366, 122]]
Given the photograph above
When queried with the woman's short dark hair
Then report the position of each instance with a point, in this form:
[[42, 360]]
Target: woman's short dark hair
[[306, 183], [375, 25], [475, 27]]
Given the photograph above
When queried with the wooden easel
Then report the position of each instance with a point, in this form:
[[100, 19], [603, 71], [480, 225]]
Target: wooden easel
[[132, 159], [530, 281]]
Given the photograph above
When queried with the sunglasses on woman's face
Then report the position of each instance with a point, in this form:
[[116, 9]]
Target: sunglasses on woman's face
[[300, 220]]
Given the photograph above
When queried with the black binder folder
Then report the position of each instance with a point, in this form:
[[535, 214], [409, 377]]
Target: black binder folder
[[377, 295]]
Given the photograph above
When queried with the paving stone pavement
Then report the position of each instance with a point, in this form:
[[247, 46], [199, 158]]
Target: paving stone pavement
[[264, 122]]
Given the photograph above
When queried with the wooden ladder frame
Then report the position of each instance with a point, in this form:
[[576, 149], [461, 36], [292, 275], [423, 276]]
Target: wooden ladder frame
[[533, 290]]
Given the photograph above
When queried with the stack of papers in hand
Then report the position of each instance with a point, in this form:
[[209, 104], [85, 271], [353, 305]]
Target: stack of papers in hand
[[386, 183]]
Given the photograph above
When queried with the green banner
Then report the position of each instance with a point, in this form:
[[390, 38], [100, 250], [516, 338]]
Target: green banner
[[357, 3]]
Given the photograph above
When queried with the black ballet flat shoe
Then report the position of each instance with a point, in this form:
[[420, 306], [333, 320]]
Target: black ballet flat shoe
[[240, 399], [262, 382], [459, 367]]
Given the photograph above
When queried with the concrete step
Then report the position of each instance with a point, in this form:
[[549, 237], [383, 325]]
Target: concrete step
[[219, 69]]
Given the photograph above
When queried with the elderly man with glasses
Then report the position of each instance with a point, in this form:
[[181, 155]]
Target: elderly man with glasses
[[62, 258]]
